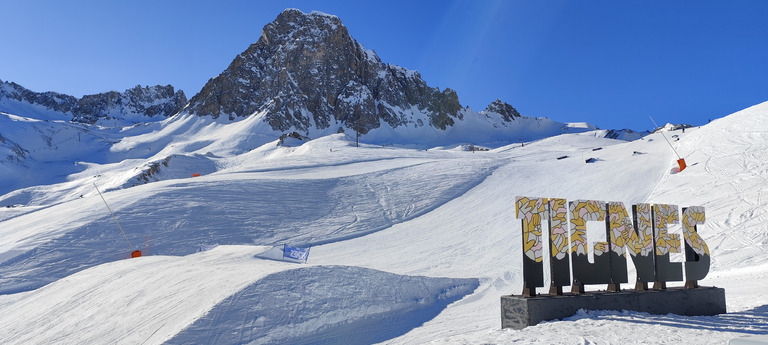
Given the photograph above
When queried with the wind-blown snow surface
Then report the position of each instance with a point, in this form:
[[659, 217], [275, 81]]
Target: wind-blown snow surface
[[408, 246]]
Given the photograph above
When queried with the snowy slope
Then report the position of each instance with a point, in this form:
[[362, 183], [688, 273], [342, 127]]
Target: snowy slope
[[408, 246], [43, 152], [38, 152]]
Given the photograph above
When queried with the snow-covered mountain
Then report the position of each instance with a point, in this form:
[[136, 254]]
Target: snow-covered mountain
[[625, 134], [16, 99], [133, 105], [139, 104], [413, 235], [305, 76], [46, 136], [307, 72]]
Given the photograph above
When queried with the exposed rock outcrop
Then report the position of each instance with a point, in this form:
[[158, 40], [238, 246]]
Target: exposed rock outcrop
[[307, 71], [139, 101], [507, 112], [148, 101], [52, 100]]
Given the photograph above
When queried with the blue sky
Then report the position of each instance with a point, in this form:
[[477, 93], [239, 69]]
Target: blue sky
[[610, 63]]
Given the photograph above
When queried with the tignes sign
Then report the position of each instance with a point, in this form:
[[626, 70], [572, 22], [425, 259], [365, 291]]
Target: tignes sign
[[645, 236]]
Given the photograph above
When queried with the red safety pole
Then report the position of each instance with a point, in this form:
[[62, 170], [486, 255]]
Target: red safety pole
[[134, 253]]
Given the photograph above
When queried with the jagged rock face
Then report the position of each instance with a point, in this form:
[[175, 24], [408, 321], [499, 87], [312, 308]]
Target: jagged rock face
[[149, 101], [508, 112], [306, 71], [55, 101], [625, 134], [18, 154]]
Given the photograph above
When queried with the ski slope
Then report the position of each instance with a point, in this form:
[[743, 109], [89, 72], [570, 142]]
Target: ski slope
[[409, 246]]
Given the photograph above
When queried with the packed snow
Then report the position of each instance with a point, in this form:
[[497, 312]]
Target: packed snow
[[408, 245]]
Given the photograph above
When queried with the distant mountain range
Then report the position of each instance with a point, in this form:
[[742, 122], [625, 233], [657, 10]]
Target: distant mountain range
[[305, 77], [305, 74], [136, 103]]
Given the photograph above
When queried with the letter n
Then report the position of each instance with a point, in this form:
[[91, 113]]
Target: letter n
[[666, 243]]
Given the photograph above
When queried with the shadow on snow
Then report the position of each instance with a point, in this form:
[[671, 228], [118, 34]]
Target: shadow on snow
[[326, 305], [179, 219]]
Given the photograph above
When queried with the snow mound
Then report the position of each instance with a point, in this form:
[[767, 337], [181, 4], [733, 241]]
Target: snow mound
[[339, 305], [172, 167]]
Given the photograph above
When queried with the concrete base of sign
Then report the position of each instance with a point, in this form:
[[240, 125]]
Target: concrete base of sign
[[750, 340], [518, 312]]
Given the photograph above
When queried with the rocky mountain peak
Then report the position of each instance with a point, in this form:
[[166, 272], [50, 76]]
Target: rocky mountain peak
[[135, 102], [508, 112], [306, 72], [293, 24], [51, 100], [148, 101]]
